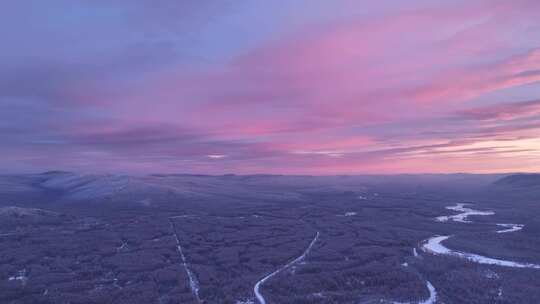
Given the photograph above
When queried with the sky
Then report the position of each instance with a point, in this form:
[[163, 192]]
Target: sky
[[279, 87]]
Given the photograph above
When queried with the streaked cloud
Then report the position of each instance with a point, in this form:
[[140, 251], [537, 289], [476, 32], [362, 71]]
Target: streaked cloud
[[504, 111]]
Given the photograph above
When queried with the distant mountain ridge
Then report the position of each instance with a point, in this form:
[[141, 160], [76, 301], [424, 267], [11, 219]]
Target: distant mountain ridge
[[164, 189], [522, 180]]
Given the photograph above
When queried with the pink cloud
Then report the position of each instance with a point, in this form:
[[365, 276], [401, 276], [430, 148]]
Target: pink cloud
[[466, 84], [505, 111]]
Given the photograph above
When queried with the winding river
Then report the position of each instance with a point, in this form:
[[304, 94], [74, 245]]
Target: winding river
[[509, 228], [434, 245], [256, 288], [465, 213]]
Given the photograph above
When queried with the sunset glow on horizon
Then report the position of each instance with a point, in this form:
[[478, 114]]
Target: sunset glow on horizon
[[278, 87]]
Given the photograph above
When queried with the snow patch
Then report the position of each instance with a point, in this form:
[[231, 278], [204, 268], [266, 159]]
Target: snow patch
[[20, 276], [490, 274]]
